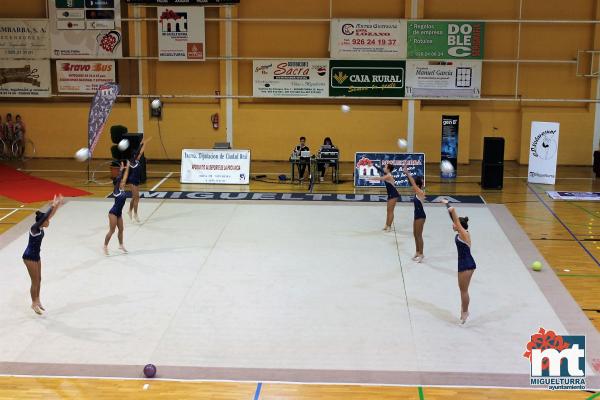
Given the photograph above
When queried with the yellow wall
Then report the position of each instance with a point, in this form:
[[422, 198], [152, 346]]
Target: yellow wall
[[269, 128]]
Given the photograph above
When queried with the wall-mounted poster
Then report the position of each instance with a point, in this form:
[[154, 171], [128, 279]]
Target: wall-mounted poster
[[290, 78], [85, 29], [368, 38], [451, 78], [184, 2], [181, 34], [443, 40], [83, 76], [367, 78], [25, 78], [22, 38]]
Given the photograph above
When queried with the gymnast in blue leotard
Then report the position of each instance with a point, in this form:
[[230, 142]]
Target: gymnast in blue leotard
[[419, 214], [466, 263], [392, 193], [31, 256], [115, 214], [135, 176]]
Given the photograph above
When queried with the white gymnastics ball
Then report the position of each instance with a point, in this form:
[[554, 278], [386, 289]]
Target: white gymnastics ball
[[446, 167], [345, 108], [82, 154], [123, 145], [402, 144]]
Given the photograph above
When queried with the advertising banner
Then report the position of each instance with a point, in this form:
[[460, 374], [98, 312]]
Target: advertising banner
[[450, 144], [543, 152], [298, 78], [99, 111], [184, 2], [83, 76], [574, 196], [368, 38], [181, 34], [367, 165], [83, 29], [25, 78], [215, 166], [367, 78], [442, 40], [22, 38], [456, 78]]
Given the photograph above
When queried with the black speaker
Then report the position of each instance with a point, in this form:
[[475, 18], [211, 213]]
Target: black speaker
[[492, 166]]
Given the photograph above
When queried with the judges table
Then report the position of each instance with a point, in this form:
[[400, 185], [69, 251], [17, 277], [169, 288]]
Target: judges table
[[313, 163]]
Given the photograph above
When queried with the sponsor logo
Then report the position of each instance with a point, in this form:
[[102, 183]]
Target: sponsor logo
[[109, 41], [98, 67], [340, 77], [544, 145], [195, 51], [23, 75]]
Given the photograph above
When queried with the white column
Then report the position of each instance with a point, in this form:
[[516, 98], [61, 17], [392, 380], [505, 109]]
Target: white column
[[228, 77], [410, 128], [138, 52], [596, 118]]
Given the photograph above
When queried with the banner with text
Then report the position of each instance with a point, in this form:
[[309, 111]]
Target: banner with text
[[441, 40], [368, 38], [85, 29], [456, 78], [22, 38], [184, 2], [215, 166], [83, 76], [283, 78], [367, 165], [367, 78], [181, 34], [25, 78], [450, 144], [543, 152]]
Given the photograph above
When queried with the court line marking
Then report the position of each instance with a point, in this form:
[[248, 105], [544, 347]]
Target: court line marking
[[593, 396], [257, 393], [161, 181], [421, 395], [564, 225], [10, 213]]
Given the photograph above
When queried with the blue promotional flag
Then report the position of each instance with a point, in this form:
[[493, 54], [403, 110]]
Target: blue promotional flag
[[99, 110]]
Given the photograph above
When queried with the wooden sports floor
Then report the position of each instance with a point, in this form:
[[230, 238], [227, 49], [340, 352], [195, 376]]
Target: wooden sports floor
[[566, 233]]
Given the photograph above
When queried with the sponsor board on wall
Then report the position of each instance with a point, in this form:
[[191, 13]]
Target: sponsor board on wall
[[543, 152], [22, 38], [442, 40], [451, 78], [84, 29], [450, 124], [25, 78], [181, 35], [367, 78], [369, 164], [215, 166], [83, 76], [287, 78], [368, 38], [184, 2]]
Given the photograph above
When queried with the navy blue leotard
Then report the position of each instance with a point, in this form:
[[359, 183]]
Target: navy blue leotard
[[32, 252], [419, 210], [392, 192], [117, 208], [134, 173], [465, 259]]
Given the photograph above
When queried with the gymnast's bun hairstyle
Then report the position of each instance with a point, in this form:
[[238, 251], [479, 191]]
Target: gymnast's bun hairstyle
[[419, 181], [39, 215], [390, 167], [464, 222]]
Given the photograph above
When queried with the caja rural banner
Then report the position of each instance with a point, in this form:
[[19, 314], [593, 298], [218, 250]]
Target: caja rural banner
[[287, 78], [83, 76], [368, 38], [215, 166], [25, 78], [543, 152], [85, 29], [366, 164], [450, 144], [22, 38], [99, 111], [181, 34], [367, 78], [442, 40], [452, 78]]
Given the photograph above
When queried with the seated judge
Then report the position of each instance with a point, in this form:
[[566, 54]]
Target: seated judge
[[304, 160], [327, 146]]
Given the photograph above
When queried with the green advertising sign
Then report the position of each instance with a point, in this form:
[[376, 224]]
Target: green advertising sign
[[440, 40], [366, 78]]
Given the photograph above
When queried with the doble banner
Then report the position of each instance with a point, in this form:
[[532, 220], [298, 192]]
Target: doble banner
[[441, 40], [367, 78], [368, 165], [450, 144], [368, 38], [543, 152], [215, 166]]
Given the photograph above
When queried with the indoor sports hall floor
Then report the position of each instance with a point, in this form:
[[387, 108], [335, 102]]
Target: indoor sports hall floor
[[347, 301]]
